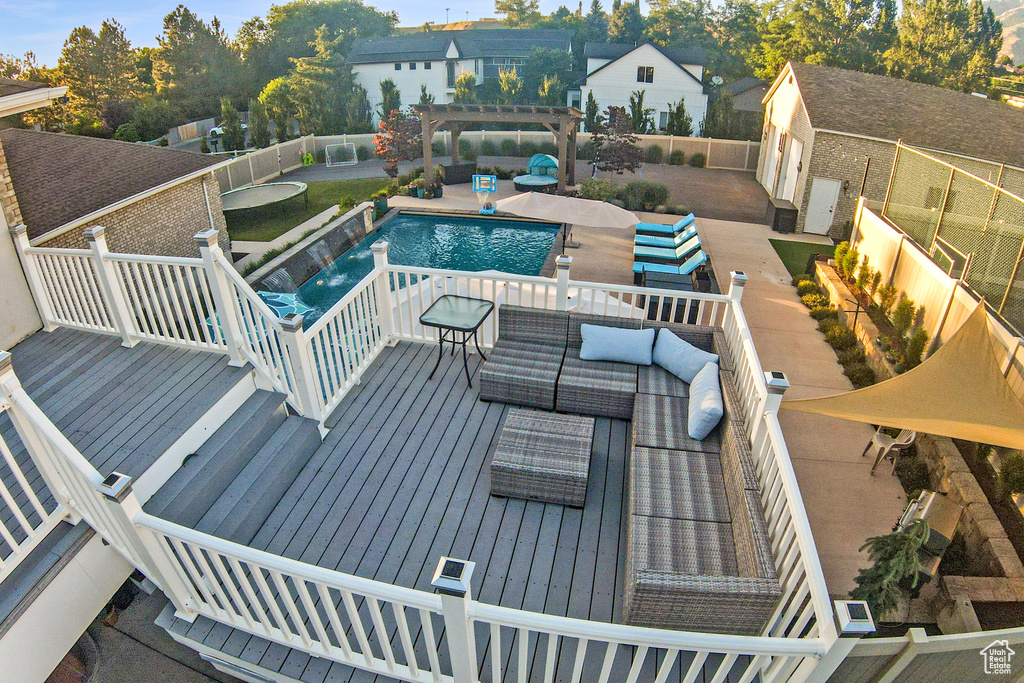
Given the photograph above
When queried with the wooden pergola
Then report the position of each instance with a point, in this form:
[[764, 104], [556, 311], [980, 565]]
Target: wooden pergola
[[561, 121]]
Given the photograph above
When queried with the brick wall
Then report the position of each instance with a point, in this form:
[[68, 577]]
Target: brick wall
[[161, 225], [842, 157], [8, 202]]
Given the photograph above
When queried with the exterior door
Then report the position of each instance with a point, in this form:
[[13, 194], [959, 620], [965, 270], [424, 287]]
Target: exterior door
[[821, 207], [791, 164], [771, 159]]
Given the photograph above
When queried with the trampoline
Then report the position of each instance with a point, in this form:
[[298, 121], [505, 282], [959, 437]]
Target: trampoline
[[260, 196]]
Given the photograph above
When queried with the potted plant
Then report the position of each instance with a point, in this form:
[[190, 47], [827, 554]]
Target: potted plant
[[421, 187], [428, 193], [380, 201], [438, 189]]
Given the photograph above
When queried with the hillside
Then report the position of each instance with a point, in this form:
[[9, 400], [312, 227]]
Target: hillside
[[1011, 14]]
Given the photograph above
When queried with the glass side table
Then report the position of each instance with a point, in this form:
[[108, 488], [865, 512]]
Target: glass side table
[[457, 320]]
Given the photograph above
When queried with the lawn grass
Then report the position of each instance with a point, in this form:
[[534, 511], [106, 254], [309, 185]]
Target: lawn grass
[[794, 255], [263, 225]]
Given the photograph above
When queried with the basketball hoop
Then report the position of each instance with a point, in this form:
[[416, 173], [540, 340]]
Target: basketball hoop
[[484, 185]]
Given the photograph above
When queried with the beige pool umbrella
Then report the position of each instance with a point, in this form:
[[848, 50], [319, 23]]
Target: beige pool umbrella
[[959, 392], [571, 210]]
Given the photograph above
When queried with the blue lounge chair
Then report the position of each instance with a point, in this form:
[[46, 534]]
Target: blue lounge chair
[[692, 264], [680, 253], [666, 241], [659, 229]]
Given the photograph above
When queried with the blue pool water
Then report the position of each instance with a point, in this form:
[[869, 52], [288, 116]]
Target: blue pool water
[[471, 243]]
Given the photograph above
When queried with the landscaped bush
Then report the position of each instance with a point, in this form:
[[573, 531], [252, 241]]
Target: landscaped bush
[[1011, 474], [595, 188], [466, 150], [841, 337], [439, 148], [679, 210], [903, 316], [661, 208], [915, 348], [488, 149], [528, 149], [797, 279], [677, 158], [807, 287], [840, 253], [826, 324], [851, 356], [815, 300], [508, 148], [823, 312], [412, 175], [618, 202], [698, 160], [860, 375], [548, 147], [654, 154], [362, 152], [887, 298], [642, 195], [345, 203]]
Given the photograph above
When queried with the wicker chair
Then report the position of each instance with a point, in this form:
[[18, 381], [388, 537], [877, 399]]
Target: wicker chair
[[591, 387], [524, 365]]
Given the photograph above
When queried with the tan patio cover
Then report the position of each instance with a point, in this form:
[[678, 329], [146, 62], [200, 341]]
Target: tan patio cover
[[958, 392], [572, 210]]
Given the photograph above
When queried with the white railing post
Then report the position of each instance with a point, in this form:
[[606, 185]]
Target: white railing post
[[117, 489], [385, 297], [853, 622], [35, 282], [451, 581], [738, 280], [562, 265], [776, 384], [302, 366], [209, 249], [113, 294]]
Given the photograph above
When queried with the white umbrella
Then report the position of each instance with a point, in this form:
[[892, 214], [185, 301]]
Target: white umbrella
[[552, 207]]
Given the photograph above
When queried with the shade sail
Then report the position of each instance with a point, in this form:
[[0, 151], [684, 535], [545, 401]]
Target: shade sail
[[959, 392], [572, 210]]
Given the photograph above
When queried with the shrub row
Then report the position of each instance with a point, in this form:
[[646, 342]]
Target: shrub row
[[842, 339]]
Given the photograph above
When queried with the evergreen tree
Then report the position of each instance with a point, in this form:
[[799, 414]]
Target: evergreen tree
[[390, 98], [592, 118], [895, 562], [511, 85], [319, 87], [641, 118], [358, 116], [99, 70], [277, 98], [596, 23], [465, 88], [627, 24], [518, 13], [721, 122], [259, 124], [679, 120], [233, 137], [426, 98]]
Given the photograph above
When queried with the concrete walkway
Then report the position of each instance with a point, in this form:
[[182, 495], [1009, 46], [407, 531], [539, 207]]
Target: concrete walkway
[[845, 504]]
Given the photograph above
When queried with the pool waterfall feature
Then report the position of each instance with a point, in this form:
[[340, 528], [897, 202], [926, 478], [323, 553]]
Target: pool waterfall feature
[[324, 266]]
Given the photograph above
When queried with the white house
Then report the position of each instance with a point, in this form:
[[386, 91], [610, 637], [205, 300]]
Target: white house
[[616, 70], [435, 59]]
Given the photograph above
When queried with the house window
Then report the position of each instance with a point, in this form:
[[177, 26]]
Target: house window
[[451, 74], [645, 74], [398, 66], [663, 120], [412, 66], [426, 65]]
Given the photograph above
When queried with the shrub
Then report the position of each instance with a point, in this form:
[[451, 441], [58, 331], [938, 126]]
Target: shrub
[[548, 147], [362, 153], [679, 210], [860, 375], [802, 277], [163, 142], [488, 149], [840, 337], [864, 274], [851, 356], [643, 195], [345, 203], [439, 148], [840, 253], [815, 300], [850, 261], [127, 132], [698, 160], [1011, 474], [677, 158], [903, 315], [913, 474], [508, 148], [654, 154], [661, 208], [528, 149], [807, 287], [618, 202], [886, 298], [822, 312], [826, 324], [466, 150], [915, 348], [876, 280], [505, 173], [585, 151], [412, 175], [595, 188]]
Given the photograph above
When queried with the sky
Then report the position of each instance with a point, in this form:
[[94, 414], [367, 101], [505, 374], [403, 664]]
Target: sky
[[41, 26]]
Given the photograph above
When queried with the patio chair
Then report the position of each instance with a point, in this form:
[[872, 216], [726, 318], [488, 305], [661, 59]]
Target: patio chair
[[659, 254], [691, 264], [666, 241], [524, 365], [660, 229], [887, 445]]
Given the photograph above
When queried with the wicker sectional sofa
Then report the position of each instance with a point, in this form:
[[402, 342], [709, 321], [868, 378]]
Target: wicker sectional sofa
[[698, 555]]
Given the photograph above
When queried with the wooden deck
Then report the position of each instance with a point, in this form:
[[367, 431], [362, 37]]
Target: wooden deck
[[403, 479]]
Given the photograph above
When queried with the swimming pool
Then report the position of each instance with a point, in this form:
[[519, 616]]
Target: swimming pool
[[472, 243]]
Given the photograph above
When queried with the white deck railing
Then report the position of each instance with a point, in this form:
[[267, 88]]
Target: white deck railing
[[204, 304]]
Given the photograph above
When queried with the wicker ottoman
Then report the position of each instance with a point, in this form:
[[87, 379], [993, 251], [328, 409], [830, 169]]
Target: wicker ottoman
[[543, 456]]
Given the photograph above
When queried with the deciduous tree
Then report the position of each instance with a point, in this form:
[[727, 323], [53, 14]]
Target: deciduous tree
[[511, 85], [398, 140], [518, 13], [465, 88], [277, 98]]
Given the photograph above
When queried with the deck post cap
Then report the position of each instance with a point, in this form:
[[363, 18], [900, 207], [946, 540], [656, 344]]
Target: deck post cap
[[207, 237], [94, 233], [853, 618], [777, 382], [563, 261], [452, 577], [738, 277], [5, 361], [116, 486], [379, 245], [19, 229], [292, 322]]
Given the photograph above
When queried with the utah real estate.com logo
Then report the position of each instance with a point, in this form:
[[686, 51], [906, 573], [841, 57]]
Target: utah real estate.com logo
[[996, 657]]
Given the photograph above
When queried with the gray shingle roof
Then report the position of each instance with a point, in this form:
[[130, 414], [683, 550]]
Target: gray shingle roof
[[10, 86], [694, 55], [58, 178], [433, 45], [921, 115]]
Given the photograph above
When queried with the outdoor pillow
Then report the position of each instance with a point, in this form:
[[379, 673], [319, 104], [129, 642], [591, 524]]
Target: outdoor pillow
[[616, 344], [682, 359], [705, 404]]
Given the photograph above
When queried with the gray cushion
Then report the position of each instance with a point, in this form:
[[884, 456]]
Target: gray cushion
[[616, 344], [705, 409], [682, 359]]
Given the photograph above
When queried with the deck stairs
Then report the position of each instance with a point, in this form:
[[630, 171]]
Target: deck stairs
[[231, 484]]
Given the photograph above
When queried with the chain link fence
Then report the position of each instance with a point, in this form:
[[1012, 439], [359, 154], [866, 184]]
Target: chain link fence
[[972, 228]]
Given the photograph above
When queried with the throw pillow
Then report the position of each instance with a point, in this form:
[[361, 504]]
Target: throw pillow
[[705, 404], [678, 356], [616, 344]]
